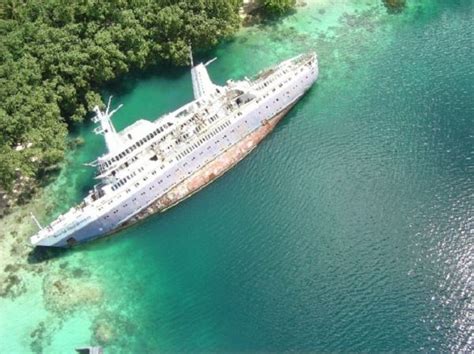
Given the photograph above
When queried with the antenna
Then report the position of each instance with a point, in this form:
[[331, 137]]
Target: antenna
[[36, 221], [115, 110], [210, 61], [108, 106], [106, 127]]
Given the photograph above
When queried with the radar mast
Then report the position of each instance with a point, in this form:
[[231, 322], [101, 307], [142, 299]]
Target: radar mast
[[107, 129]]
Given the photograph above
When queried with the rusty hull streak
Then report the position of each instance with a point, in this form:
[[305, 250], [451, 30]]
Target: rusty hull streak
[[208, 173]]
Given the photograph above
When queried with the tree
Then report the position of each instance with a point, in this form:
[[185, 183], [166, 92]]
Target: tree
[[56, 55], [277, 7]]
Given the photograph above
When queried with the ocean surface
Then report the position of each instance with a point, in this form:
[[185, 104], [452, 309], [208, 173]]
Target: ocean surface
[[349, 228]]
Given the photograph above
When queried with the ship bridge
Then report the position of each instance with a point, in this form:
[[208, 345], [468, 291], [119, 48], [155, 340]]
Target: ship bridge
[[137, 130]]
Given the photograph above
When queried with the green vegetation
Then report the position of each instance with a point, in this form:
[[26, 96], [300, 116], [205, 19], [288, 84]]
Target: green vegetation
[[57, 54], [277, 7]]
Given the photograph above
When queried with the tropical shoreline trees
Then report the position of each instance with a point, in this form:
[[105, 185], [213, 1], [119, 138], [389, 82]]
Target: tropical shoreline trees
[[56, 55], [277, 7]]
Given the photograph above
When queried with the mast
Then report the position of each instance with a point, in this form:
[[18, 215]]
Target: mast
[[36, 221], [107, 129]]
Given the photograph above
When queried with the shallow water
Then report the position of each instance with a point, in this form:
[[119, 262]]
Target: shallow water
[[350, 227]]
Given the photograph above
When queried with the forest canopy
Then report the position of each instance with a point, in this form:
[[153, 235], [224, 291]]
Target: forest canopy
[[57, 54], [277, 7]]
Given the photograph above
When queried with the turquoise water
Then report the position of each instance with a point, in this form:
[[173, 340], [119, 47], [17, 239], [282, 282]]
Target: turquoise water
[[349, 228]]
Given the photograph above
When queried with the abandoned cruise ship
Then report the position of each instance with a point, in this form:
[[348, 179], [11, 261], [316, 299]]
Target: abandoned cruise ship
[[151, 166]]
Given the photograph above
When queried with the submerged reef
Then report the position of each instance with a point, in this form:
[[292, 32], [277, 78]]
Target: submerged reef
[[65, 293], [108, 324], [394, 6]]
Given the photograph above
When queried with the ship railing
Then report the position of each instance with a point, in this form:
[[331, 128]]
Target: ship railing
[[304, 59]]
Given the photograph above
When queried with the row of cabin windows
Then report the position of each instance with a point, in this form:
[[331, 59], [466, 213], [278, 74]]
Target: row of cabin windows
[[287, 92], [125, 179], [195, 145], [202, 140], [266, 83], [120, 183], [137, 144]]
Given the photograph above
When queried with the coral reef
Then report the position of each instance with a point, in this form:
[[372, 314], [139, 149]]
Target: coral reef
[[394, 6], [63, 294]]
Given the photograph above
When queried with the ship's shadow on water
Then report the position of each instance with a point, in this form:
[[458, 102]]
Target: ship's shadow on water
[[42, 254]]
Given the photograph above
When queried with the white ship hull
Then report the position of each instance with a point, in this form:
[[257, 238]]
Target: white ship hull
[[232, 141]]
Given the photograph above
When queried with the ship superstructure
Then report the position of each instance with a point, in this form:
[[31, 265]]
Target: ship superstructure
[[150, 166]]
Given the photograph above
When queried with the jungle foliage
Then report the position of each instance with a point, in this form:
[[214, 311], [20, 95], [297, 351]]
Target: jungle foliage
[[57, 54], [277, 7]]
